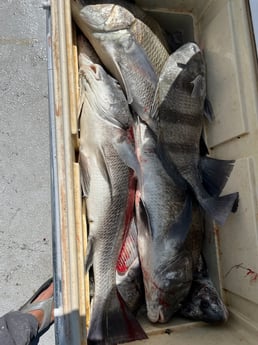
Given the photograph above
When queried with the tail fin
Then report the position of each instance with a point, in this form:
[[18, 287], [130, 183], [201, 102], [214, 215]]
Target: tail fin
[[117, 324], [220, 207], [215, 173]]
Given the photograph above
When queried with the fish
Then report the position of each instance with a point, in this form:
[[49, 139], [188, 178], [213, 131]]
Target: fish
[[204, 302], [127, 47], [128, 271], [178, 113], [109, 188], [163, 218], [86, 52], [145, 29]]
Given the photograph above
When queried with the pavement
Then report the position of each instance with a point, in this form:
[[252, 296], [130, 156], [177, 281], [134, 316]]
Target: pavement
[[25, 214]]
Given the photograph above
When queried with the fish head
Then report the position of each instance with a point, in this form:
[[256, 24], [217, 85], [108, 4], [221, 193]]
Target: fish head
[[192, 76], [204, 303], [112, 105], [184, 70], [106, 17], [169, 285]]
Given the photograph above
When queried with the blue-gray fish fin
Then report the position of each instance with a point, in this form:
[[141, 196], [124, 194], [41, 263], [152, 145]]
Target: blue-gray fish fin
[[89, 254], [219, 208], [125, 150], [215, 173], [208, 110], [199, 86], [84, 172], [116, 324], [180, 228]]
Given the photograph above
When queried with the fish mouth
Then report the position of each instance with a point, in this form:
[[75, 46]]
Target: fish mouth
[[154, 315], [217, 314], [157, 316]]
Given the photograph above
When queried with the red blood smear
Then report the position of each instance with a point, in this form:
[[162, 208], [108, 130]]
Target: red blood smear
[[124, 253], [130, 135]]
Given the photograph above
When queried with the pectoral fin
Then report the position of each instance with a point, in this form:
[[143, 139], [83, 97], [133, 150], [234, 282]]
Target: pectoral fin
[[85, 176], [199, 87], [125, 150], [208, 110]]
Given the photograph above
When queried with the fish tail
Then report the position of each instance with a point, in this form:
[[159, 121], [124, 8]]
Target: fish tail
[[118, 325], [219, 208]]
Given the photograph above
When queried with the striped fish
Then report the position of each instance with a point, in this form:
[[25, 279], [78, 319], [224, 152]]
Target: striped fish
[[180, 95]]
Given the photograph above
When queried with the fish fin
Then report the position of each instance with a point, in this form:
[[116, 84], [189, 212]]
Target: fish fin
[[208, 110], [220, 207], [170, 167], [215, 173], [198, 87], [89, 254], [117, 325], [84, 172], [125, 150], [180, 228], [143, 220], [203, 146]]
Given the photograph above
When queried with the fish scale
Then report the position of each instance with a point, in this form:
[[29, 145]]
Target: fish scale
[[155, 50]]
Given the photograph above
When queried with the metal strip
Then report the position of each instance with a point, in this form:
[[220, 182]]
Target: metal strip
[[56, 243], [69, 178]]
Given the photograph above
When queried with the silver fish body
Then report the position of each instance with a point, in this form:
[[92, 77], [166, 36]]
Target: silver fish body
[[163, 216], [179, 118], [106, 184], [204, 302], [127, 47]]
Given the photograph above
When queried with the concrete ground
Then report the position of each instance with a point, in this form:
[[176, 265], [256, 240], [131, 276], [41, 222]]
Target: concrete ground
[[25, 215]]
